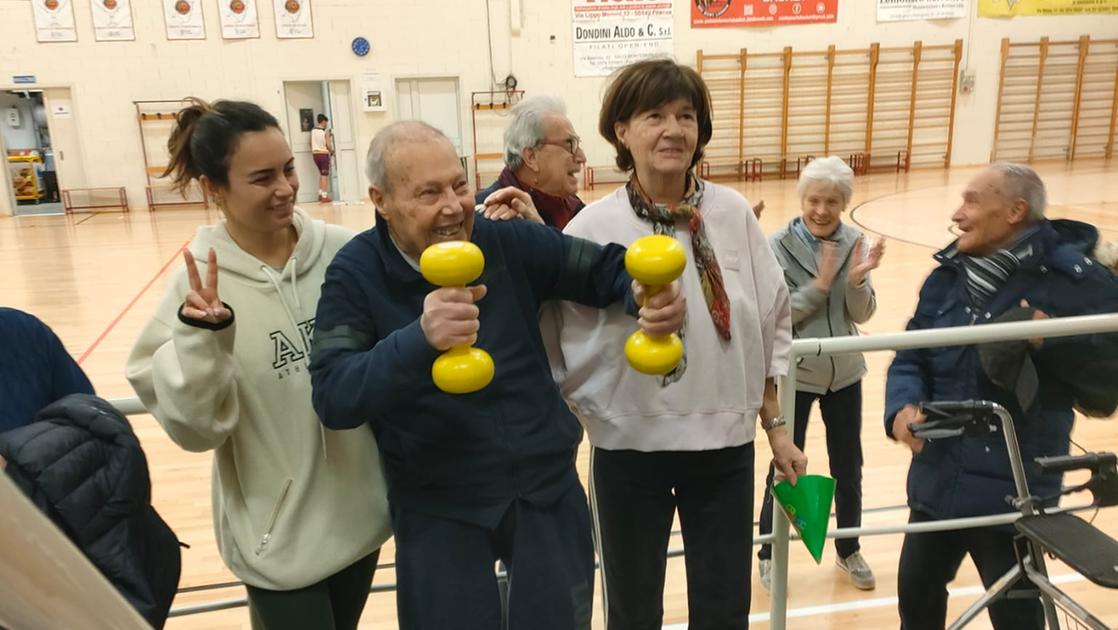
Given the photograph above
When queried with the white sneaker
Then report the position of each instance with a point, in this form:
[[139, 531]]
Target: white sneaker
[[765, 568], [855, 566]]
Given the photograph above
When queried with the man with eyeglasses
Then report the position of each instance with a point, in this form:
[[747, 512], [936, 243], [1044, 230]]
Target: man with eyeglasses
[[543, 157]]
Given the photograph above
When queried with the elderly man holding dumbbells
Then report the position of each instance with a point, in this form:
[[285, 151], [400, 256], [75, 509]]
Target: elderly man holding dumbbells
[[472, 477]]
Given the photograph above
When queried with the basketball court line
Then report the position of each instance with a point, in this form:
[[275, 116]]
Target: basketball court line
[[109, 329], [868, 229], [880, 602]]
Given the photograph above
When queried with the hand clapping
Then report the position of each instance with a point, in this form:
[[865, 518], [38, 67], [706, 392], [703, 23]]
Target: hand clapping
[[863, 261]]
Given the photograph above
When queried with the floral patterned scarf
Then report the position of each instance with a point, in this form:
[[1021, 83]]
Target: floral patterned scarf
[[663, 218]]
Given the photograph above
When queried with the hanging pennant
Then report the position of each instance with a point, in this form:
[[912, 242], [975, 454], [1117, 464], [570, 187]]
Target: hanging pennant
[[293, 19], [54, 20], [1050, 8], [909, 10], [238, 19], [705, 13], [608, 36], [112, 20], [184, 19]]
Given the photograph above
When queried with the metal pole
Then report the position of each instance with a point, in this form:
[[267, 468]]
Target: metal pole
[[778, 595], [958, 335], [130, 406], [996, 590], [1015, 463], [226, 604], [1028, 508], [1041, 581], [945, 525]]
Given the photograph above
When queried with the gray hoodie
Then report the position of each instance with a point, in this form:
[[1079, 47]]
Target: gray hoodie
[[817, 313]]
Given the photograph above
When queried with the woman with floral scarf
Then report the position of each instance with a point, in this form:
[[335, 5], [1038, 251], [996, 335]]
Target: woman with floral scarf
[[682, 442]]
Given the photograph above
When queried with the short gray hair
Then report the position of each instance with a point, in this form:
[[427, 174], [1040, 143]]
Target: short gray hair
[[526, 130], [1022, 182], [832, 171], [376, 160]]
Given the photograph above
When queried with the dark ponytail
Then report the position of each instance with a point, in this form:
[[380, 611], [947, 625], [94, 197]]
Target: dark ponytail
[[205, 136]]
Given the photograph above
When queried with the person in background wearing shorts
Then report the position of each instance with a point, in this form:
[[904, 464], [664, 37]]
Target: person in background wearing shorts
[[322, 147]]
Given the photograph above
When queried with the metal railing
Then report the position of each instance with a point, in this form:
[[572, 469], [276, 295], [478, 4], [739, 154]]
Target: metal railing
[[909, 340], [963, 335]]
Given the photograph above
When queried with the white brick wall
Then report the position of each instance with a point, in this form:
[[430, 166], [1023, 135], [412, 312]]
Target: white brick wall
[[446, 37]]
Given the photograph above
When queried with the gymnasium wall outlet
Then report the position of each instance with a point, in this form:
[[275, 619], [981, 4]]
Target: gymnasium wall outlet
[[966, 82]]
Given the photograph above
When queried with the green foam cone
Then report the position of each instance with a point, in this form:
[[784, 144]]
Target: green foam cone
[[808, 506]]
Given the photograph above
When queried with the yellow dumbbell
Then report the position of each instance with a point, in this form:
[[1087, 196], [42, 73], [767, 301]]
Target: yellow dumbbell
[[654, 261], [462, 369]]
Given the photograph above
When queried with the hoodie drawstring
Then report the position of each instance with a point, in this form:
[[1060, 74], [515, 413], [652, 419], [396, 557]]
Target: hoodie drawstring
[[292, 262], [283, 301], [271, 275]]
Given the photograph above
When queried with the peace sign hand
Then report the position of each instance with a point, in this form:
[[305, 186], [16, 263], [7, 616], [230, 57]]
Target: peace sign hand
[[202, 302]]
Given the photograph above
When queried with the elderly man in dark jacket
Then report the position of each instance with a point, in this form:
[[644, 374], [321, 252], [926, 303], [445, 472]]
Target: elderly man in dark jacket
[[82, 466], [1007, 256], [476, 477]]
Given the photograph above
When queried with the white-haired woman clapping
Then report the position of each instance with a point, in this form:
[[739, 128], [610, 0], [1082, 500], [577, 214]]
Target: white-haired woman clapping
[[826, 265]]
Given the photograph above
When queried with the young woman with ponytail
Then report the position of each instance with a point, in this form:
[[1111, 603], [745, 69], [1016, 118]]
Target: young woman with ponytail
[[299, 511]]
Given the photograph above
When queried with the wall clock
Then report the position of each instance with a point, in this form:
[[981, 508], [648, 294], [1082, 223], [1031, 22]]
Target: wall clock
[[360, 46]]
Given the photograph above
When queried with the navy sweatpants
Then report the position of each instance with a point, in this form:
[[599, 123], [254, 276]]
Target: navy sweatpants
[[447, 578]]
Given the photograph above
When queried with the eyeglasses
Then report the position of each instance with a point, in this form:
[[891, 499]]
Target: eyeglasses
[[571, 144]]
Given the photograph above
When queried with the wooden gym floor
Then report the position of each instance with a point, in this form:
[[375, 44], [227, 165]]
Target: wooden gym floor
[[96, 278]]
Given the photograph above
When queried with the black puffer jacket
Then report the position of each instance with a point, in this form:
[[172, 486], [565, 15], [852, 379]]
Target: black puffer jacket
[[80, 463]]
